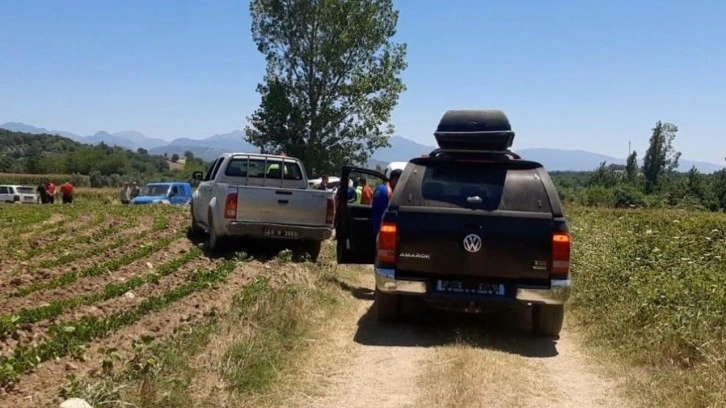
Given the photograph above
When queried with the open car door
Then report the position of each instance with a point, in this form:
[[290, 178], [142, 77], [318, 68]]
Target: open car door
[[356, 243]]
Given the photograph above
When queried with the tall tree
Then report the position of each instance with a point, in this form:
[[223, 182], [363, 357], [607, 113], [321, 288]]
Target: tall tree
[[660, 159], [333, 79], [631, 167]]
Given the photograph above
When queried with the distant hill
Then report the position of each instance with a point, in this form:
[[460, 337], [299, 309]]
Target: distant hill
[[402, 149]]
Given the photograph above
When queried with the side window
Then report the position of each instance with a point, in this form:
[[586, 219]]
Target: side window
[[208, 175], [362, 187], [175, 190], [3, 190], [216, 167], [292, 171]]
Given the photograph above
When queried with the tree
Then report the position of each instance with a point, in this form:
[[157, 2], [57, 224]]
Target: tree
[[660, 159], [174, 158], [631, 167], [141, 150], [333, 79], [188, 155]]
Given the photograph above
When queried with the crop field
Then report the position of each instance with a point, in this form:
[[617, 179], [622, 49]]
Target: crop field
[[86, 291], [650, 286], [79, 282]]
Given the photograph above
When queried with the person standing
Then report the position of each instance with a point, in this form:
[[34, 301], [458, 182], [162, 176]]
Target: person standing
[[42, 193], [366, 192], [124, 194], [66, 190], [135, 190], [381, 198], [323, 183], [50, 187]]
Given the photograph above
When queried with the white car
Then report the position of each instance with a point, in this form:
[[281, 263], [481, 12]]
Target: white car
[[18, 194]]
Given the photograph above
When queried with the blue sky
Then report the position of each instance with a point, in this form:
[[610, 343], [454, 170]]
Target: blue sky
[[570, 74]]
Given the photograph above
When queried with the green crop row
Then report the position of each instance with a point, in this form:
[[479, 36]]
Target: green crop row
[[62, 230], [9, 323], [109, 266], [160, 223], [69, 338]]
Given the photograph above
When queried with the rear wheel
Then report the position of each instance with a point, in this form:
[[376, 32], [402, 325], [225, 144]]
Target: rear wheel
[[388, 307], [547, 319], [194, 228], [215, 241]]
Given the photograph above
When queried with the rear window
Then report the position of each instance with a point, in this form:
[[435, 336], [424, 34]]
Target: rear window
[[484, 186], [261, 168], [25, 190]]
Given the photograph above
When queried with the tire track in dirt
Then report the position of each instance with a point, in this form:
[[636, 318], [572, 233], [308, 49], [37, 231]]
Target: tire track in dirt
[[42, 386], [438, 359]]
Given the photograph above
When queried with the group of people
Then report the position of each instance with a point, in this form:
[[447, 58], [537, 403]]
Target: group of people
[[361, 193], [47, 192], [128, 192]]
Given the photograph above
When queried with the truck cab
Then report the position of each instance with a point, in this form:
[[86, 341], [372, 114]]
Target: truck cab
[[469, 226]]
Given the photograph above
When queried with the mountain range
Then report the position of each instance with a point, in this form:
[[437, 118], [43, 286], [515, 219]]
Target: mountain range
[[401, 149]]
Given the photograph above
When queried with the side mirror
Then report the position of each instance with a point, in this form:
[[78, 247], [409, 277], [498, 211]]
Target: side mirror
[[198, 175]]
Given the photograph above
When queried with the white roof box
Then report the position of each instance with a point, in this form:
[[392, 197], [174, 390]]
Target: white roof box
[[485, 129]]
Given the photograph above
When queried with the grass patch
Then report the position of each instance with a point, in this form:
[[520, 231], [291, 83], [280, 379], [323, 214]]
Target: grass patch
[[650, 285], [235, 357]]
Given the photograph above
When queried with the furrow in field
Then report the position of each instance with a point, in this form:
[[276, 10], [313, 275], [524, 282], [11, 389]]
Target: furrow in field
[[31, 324], [162, 316], [74, 281]]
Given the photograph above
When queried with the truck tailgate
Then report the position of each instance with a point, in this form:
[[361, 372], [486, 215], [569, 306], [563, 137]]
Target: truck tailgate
[[511, 246], [282, 206]]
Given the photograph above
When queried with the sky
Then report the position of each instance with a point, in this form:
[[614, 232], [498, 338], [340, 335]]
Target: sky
[[569, 74]]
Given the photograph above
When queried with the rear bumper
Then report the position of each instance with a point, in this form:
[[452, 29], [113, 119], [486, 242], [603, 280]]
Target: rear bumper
[[257, 230], [556, 294]]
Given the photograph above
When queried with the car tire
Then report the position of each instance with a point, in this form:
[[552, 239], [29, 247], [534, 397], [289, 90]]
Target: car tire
[[388, 307], [194, 228], [313, 250], [215, 242], [547, 319]]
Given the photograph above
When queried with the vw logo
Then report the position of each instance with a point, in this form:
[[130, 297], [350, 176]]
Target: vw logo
[[472, 243]]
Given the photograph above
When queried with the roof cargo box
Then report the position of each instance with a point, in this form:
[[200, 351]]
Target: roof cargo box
[[475, 130]]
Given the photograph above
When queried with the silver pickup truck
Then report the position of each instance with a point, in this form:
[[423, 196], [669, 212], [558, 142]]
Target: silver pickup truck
[[261, 196]]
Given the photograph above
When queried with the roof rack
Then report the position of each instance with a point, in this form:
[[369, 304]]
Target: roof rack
[[441, 153]]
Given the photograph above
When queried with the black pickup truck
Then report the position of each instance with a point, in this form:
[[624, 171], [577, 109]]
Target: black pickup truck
[[470, 225]]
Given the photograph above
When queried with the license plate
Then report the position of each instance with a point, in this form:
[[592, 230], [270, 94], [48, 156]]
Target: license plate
[[28, 198], [470, 288], [279, 233]]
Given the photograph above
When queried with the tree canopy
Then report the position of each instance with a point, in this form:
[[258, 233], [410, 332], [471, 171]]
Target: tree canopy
[[332, 81]]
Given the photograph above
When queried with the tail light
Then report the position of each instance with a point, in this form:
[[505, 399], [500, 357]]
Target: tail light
[[230, 206], [560, 255], [330, 211], [387, 243]]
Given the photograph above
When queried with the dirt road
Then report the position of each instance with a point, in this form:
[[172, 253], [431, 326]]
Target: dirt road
[[445, 360]]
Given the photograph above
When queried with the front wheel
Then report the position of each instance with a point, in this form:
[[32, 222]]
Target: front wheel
[[547, 319]]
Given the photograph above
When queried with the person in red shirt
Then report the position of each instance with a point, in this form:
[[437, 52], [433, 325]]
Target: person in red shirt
[[50, 187], [367, 193], [66, 190]]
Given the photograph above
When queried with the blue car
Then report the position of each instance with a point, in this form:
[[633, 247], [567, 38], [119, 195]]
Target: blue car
[[164, 193]]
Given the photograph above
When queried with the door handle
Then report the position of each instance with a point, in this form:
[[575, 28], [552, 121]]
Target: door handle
[[282, 201]]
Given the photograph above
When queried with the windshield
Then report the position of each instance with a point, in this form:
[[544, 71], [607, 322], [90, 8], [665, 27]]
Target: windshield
[[25, 190], [156, 190]]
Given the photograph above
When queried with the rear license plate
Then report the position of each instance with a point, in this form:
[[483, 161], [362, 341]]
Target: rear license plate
[[448, 286], [279, 233]]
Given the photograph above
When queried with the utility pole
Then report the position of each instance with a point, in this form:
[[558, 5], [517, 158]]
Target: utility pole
[[629, 149]]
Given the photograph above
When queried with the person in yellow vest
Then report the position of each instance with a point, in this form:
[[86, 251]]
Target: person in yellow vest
[[359, 190]]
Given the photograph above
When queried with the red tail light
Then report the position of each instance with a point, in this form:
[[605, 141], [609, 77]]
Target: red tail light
[[330, 211], [560, 255], [387, 243], [230, 206]]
